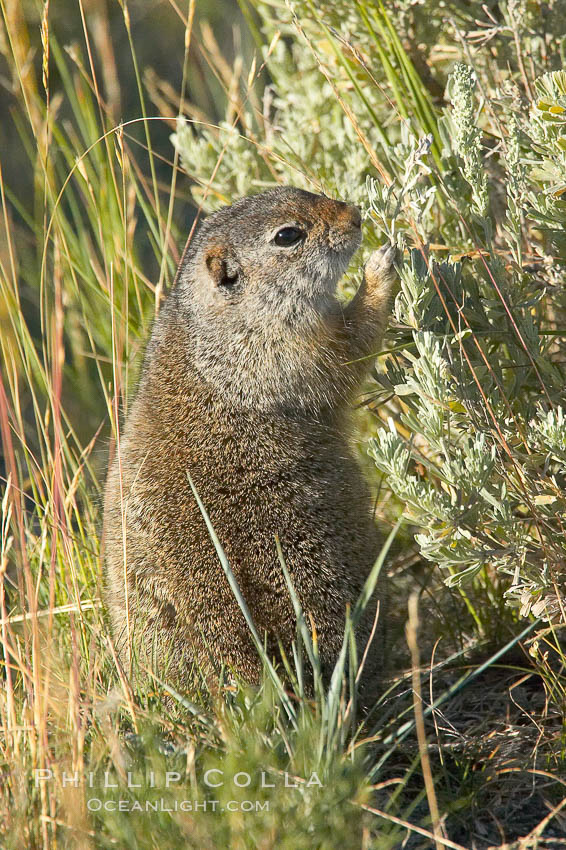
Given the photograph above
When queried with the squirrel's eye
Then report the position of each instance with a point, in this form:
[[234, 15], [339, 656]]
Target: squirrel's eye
[[288, 236]]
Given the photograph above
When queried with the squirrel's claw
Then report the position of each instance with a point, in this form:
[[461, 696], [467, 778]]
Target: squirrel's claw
[[380, 265]]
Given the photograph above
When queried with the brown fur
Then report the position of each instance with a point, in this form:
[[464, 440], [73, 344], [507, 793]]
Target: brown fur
[[246, 386]]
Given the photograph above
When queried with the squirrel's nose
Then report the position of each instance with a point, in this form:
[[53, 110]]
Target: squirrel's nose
[[356, 217], [350, 216]]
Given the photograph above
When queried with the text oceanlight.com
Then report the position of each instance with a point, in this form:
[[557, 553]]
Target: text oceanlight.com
[[95, 804]]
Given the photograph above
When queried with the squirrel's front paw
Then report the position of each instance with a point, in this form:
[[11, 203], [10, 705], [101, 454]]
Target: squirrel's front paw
[[380, 268]]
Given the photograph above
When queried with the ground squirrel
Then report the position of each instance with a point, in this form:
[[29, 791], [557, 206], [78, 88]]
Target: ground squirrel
[[246, 385]]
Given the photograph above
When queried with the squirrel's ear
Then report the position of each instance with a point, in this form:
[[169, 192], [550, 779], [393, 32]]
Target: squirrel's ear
[[222, 267]]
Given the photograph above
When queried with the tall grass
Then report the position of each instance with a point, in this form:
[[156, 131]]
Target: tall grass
[[89, 243]]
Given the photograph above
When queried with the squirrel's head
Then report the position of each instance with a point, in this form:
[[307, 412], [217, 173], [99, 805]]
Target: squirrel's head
[[284, 250], [257, 285]]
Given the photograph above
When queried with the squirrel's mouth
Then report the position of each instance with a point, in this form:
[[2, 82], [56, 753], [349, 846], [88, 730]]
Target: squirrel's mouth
[[340, 255], [345, 242]]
